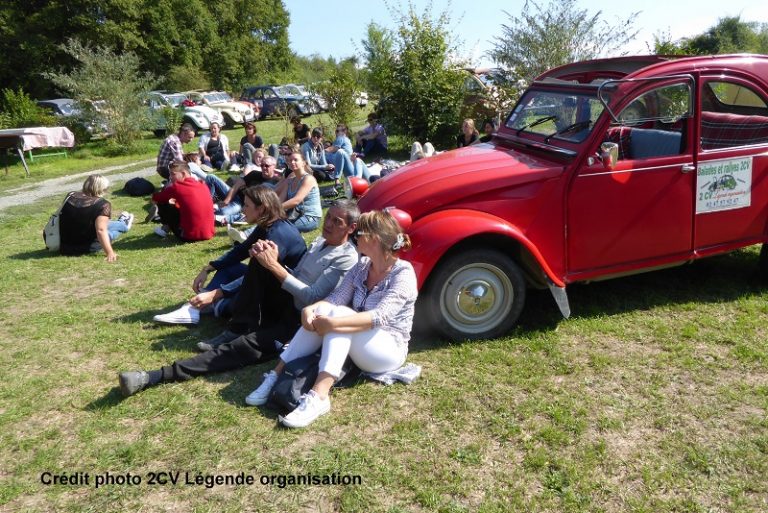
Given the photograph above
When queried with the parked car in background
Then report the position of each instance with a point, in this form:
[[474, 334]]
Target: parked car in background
[[604, 168], [361, 99], [234, 113], [199, 116], [321, 104], [72, 115], [277, 101]]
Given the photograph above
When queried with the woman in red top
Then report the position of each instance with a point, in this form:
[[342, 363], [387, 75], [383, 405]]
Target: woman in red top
[[185, 206]]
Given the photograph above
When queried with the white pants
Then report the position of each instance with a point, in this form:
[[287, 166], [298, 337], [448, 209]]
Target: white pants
[[371, 350]]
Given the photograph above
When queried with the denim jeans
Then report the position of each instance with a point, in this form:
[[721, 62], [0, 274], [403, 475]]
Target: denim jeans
[[306, 223], [370, 146], [116, 229], [344, 164], [218, 188]]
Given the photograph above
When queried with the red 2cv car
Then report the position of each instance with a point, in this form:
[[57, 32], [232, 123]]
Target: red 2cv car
[[603, 168]]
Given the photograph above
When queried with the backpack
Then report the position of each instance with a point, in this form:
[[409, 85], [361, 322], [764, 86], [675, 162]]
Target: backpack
[[138, 186], [299, 376], [51, 231]]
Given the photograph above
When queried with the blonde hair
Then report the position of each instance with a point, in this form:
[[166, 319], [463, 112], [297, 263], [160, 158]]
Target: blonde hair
[[95, 185], [384, 227], [471, 123]]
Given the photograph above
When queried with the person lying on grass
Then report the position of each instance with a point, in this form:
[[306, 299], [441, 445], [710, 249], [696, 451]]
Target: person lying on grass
[[368, 318], [260, 308]]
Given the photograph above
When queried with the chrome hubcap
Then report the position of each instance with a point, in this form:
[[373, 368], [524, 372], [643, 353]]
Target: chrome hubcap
[[476, 298]]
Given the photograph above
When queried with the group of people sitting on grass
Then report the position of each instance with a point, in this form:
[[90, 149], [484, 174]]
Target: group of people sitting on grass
[[288, 301]]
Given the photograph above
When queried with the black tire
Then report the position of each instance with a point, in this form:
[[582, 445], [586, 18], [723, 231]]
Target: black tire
[[498, 286], [292, 111], [228, 121]]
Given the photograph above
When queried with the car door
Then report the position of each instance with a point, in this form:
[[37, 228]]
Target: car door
[[732, 167], [639, 213]]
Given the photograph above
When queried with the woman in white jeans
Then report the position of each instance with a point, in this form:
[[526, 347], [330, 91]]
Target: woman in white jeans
[[368, 318]]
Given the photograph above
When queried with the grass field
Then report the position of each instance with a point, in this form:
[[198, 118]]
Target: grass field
[[652, 398]]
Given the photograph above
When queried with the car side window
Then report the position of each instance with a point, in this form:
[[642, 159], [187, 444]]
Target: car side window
[[732, 115], [653, 124], [269, 94]]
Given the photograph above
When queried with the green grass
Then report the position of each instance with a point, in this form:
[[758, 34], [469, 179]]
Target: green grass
[[652, 398]]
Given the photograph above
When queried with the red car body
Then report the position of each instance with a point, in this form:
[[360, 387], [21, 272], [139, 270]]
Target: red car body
[[603, 168]]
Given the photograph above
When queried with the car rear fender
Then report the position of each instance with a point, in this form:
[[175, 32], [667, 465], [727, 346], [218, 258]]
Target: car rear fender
[[442, 233]]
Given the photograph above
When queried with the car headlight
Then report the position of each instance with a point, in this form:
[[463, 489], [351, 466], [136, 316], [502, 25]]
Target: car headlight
[[354, 187]]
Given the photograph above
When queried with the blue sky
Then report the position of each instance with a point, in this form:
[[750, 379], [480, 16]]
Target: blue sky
[[336, 27]]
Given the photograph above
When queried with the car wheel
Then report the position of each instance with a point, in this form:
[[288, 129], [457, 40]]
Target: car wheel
[[474, 294], [292, 111]]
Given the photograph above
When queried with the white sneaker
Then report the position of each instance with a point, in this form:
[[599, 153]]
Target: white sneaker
[[221, 220], [127, 218], [187, 314], [235, 234], [261, 394], [234, 168], [309, 409], [160, 232]]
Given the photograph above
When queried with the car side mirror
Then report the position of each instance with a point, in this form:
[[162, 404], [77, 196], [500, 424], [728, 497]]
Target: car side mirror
[[609, 154]]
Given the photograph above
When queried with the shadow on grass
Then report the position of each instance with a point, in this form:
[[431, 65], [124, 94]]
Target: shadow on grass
[[718, 279], [108, 400], [38, 254]]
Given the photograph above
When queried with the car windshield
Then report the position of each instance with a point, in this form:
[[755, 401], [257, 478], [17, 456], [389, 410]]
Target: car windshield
[[225, 97], [174, 100], [283, 91], [292, 90], [67, 108], [556, 115], [212, 98]]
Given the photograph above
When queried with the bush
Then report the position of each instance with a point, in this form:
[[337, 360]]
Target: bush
[[18, 110], [340, 92], [109, 88], [421, 91]]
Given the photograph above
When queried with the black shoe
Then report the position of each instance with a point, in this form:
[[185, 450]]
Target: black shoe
[[133, 381], [212, 343]]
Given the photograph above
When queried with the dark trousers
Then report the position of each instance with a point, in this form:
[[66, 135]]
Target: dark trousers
[[262, 313], [250, 349], [170, 217], [261, 302]]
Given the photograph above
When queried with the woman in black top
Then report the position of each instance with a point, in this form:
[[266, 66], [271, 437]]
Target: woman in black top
[[85, 226], [468, 135]]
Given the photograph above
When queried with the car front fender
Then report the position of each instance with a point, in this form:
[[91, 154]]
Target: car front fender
[[434, 235]]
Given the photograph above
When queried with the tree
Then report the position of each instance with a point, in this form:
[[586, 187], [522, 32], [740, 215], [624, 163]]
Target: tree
[[420, 88], [378, 48], [728, 35], [228, 41], [110, 89], [340, 91], [543, 38]]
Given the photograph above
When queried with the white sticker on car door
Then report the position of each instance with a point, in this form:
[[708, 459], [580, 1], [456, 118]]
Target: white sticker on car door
[[723, 185]]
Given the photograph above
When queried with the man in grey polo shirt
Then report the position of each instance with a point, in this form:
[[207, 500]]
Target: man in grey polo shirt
[[264, 320]]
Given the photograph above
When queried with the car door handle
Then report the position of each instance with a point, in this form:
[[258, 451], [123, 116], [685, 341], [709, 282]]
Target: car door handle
[[687, 168]]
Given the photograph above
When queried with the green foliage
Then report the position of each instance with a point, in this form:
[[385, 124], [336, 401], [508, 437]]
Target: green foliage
[[378, 53], [185, 78], [728, 35], [109, 88], [420, 90], [226, 42], [340, 91], [543, 37], [18, 110]]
